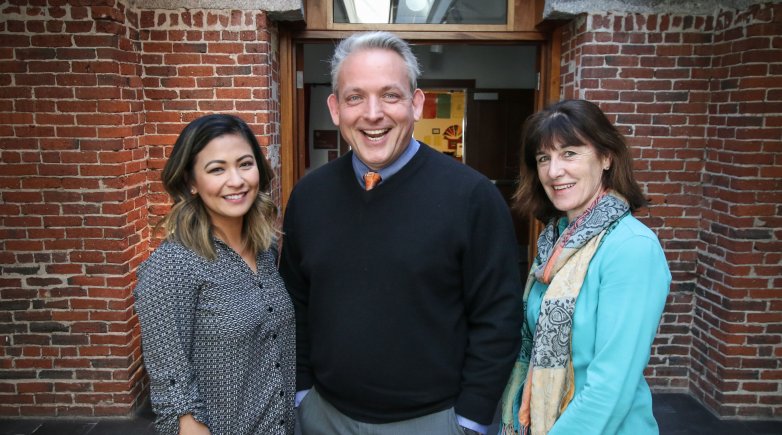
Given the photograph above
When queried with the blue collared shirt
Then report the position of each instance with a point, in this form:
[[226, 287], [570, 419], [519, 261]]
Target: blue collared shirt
[[360, 168]]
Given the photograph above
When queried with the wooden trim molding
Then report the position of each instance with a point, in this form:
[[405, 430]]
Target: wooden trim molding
[[422, 36], [287, 135]]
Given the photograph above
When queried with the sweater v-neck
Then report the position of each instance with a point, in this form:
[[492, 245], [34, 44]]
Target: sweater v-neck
[[392, 183]]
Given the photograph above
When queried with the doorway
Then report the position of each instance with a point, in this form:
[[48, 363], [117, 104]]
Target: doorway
[[478, 96]]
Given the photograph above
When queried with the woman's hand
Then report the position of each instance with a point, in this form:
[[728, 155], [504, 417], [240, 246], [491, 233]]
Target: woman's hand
[[190, 426]]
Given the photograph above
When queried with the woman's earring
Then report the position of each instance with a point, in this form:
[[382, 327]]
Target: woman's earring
[[193, 191], [605, 169]]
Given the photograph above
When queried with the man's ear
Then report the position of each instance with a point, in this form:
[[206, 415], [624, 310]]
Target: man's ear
[[333, 104], [418, 103]]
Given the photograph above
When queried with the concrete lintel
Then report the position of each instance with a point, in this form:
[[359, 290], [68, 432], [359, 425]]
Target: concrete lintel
[[278, 10], [567, 9]]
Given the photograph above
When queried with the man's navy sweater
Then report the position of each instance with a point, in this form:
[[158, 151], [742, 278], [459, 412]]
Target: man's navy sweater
[[407, 297]]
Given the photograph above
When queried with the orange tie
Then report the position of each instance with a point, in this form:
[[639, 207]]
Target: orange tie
[[371, 179]]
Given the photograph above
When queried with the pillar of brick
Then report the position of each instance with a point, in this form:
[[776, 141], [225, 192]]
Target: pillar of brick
[[698, 98], [74, 209], [737, 344], [84, 137]]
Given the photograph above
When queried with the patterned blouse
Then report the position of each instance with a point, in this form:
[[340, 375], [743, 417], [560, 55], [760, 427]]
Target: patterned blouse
[[218, 341]]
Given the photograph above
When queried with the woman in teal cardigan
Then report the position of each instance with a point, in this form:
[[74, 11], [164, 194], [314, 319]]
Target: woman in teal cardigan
[[597, 288]]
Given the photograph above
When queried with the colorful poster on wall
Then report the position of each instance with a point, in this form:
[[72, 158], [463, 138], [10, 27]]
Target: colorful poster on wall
[[441, 123]]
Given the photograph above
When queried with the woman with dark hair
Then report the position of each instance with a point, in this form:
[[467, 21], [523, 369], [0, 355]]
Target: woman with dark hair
[[217, 324], [597, 288]]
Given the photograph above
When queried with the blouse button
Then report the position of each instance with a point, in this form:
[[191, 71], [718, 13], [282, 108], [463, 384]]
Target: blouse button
[[270, 309], [274, 336], [282, 393], [282, 422], [260, 285], [277, 365]]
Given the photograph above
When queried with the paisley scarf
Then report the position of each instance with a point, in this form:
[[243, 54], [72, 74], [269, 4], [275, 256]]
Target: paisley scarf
[[542, 384]]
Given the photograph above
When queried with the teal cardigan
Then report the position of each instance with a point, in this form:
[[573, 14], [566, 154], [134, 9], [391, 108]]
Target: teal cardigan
[[616, 317]]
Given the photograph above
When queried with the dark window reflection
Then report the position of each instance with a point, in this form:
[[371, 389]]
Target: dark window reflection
[[421, 11]]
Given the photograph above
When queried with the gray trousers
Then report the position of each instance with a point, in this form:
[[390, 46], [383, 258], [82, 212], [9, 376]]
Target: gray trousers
[[316, 416]]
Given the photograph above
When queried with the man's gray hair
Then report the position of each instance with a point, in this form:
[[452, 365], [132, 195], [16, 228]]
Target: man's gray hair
[[370, 40]]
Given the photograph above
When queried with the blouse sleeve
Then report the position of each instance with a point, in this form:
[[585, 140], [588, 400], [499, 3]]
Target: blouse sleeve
[[166, 298], [634, 282]]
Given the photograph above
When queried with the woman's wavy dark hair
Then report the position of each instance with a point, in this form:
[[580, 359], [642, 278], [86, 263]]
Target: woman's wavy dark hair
[[188, 221], [572, 122]]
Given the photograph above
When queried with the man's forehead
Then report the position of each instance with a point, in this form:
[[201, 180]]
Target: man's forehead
[[359, 87]]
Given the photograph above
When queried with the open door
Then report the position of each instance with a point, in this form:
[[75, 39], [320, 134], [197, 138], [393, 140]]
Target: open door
[[491, 146]]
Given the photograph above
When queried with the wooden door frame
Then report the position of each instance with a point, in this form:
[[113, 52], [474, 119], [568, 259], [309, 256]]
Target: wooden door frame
[[549, 87], [289, 172]]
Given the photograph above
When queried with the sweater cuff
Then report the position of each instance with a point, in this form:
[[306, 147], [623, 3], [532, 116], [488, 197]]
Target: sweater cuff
[[299, 397], [471, 425], [475, 408]]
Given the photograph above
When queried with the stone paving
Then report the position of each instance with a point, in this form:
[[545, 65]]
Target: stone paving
[[677, 414]]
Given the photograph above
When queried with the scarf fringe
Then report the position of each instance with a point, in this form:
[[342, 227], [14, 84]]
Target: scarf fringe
[[510, 430]]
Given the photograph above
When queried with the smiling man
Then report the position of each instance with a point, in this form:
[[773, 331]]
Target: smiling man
[[402, 265]]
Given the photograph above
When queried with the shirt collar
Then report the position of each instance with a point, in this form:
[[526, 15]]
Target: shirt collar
[[360, 168]]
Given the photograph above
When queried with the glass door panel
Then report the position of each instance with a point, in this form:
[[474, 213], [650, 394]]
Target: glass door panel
[[421, 11]]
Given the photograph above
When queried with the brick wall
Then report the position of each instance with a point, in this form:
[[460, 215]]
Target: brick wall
[[92, 95], [700, 100]]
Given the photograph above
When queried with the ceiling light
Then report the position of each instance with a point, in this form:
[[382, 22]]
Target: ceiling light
[[417, 5]]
